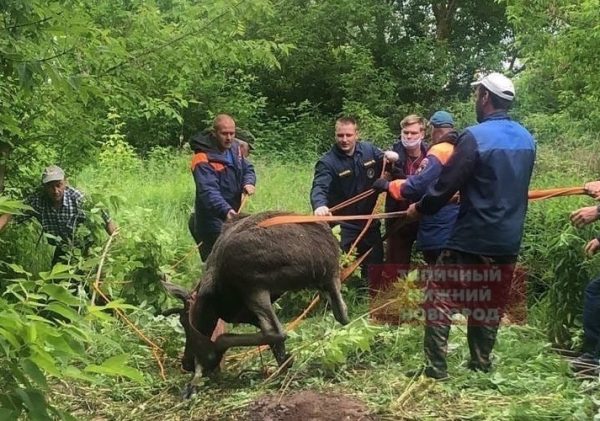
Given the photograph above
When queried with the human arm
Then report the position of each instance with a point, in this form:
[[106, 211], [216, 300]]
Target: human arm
[[459, 168], [110, 227], [208, 191], [248, 177], [592, 247], [319, 192], [592, 189], [4, 219], [583, 216]]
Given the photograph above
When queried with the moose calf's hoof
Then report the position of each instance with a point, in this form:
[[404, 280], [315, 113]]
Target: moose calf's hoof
[[189, 391], [288, 362]]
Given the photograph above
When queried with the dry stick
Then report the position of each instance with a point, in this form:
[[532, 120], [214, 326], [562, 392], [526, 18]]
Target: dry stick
[[96, 288], [371, 311], [352, 200], [99, 271], [156, 350], [369, 222]]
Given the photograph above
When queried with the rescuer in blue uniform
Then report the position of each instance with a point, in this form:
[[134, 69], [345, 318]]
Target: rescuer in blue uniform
[[221, 174], [491, 168], [349, 168]]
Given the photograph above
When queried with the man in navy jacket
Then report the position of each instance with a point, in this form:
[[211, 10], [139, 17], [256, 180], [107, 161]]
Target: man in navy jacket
[[491, 167], [222, 174], [349, 168]]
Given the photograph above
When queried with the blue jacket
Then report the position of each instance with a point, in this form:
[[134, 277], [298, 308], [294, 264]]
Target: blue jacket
[[491, 166], [339, 177], [434, 230], [220, 178]]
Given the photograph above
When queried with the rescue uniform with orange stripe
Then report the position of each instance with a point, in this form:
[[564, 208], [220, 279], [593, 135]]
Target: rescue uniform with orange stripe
[[491, 166], [220, 178], [434, 230], [339, 177]]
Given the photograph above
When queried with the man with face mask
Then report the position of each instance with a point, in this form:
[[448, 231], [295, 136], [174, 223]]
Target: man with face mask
[[411, 151], [491, 167], [433, 230], [59, 209]]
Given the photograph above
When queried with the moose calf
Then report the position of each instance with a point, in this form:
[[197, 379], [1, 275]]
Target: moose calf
[[249, 268]]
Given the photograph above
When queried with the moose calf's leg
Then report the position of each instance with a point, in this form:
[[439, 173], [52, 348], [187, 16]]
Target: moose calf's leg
[[338, 306], [280, 355], [259, 302]]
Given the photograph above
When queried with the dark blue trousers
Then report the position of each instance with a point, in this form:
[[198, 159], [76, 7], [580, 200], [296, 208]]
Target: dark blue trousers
[[591, 318]]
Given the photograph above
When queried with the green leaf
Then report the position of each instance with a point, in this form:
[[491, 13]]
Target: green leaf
[[45, 361], [34, 373], [63, 310], [7, 414], [116, 366], [61, 294], [35, 402], [18, 269]]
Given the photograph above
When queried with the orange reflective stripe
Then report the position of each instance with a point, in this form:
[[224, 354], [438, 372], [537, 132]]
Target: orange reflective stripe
[[198, 158], [442, 151], [202, 158], [395, 189], [217, 166]]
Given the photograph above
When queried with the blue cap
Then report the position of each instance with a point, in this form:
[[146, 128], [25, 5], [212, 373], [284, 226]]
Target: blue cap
[[441, 119]]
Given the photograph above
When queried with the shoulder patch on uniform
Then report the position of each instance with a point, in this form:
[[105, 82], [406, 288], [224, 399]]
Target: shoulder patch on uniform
[[345, 173], [442, 151]]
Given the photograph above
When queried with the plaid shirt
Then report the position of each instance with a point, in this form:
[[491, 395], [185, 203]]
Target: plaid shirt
[[60, 222]]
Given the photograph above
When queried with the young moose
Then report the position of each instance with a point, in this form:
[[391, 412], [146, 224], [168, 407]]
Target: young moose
[[249, 268]]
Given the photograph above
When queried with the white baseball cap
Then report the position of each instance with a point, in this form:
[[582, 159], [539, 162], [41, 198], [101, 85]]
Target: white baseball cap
[[499, 85]]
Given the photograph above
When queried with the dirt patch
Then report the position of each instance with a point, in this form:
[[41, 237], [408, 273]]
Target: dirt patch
[[308, 406]]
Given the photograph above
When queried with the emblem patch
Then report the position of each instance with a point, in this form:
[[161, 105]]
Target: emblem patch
[[371, 173], [422, 166]]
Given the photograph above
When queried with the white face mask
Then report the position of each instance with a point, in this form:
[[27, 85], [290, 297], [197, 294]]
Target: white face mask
[[411, 144]]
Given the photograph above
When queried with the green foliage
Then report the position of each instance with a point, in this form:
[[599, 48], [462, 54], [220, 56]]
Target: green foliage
[[351, 341], [557, 41], [44, 335]]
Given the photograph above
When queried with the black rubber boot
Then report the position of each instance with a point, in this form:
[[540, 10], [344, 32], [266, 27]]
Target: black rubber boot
[[481, 342], [436, 348]]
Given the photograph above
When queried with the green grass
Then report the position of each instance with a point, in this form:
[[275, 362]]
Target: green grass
[[530, 382]]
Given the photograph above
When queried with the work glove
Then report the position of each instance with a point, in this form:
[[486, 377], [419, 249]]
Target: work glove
[[391, 156], [322, 211], [381, 185]]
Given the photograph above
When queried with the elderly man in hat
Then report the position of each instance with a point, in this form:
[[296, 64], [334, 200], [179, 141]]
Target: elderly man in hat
[[491, 167], [59, 209]]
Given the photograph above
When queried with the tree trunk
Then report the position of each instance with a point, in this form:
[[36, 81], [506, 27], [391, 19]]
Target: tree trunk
[[444, 12]]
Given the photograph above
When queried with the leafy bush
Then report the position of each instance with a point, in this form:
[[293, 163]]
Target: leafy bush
[[45, 326]]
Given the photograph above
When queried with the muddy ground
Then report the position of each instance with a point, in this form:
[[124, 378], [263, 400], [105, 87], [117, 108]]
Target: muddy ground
[[308, 406]]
